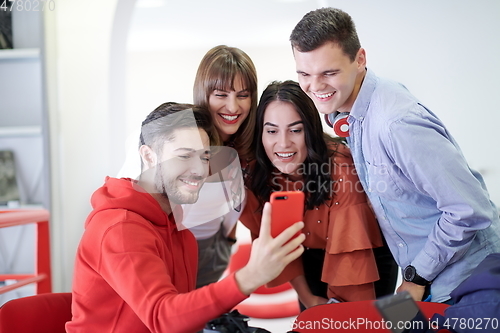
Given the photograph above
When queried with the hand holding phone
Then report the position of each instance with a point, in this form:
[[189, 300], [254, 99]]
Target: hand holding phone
[[287, 209]]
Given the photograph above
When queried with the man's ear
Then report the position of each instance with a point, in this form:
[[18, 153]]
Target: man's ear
[[148, 156], [361, 59]]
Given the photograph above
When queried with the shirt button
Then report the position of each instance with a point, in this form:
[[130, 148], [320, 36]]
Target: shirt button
[[319, 221], [401, 245], [340, 179], [327, 237], [308, 233], [317, 208], [361, 118], [337, 203]]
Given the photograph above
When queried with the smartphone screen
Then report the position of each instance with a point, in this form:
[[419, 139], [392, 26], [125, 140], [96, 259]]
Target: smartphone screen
[[402, 314]]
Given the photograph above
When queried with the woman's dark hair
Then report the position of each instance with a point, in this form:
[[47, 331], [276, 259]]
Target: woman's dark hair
[[316, 170]]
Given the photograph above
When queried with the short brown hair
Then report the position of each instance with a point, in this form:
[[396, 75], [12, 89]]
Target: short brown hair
[[326, 25], [161, 123]]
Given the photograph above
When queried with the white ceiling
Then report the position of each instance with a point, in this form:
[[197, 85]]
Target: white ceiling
[[167, 24]]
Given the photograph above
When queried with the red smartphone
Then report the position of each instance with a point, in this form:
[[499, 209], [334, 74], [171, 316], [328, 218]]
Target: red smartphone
[[287, 209]]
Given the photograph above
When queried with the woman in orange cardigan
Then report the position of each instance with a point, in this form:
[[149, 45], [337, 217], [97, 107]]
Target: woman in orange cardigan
[[293, 154]]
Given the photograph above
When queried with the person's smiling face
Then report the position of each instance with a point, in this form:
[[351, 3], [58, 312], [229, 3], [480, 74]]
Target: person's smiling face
[[329, 76], [184, 165], [229, 108], [283, 137]]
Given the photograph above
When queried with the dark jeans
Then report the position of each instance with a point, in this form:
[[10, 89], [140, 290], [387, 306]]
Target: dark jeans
[[213, 258], [387, 269], [312, 261]]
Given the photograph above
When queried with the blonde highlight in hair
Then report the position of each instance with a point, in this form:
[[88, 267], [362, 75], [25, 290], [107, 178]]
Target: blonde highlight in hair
[[217, 71]]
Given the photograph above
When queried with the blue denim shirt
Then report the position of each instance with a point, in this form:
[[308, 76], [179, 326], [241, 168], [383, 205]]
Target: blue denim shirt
[[434, 211]]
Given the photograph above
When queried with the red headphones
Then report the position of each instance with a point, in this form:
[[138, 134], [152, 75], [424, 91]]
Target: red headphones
[[340, 125]]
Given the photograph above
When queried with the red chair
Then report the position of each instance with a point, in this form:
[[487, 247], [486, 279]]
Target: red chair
[[42, 313], [361, 316], [264, 303]]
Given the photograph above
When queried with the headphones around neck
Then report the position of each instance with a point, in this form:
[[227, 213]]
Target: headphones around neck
[[340, 125]]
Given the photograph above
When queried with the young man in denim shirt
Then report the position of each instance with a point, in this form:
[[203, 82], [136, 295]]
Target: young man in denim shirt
[[434, 211]]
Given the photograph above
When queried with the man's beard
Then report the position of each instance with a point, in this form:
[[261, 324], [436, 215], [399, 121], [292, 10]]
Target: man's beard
[[168, 189]]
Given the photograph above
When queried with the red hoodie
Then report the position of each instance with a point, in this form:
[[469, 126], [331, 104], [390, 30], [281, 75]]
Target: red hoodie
[[135, 272]]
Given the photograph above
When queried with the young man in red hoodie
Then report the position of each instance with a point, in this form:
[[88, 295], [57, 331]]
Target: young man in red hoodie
[[135, 271]]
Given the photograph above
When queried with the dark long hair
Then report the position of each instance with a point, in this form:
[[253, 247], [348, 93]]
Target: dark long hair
[[318, 153]]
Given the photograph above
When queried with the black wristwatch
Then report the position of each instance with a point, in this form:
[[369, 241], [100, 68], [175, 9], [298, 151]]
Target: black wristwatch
[[231, 240], [410, 275]]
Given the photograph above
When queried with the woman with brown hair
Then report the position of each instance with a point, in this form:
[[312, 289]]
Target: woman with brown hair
[[225, 84]]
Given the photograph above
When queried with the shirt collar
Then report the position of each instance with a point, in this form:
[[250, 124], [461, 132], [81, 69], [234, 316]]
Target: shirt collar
[[362, 102]]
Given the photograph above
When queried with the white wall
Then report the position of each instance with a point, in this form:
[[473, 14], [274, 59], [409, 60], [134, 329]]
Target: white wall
[[77, 39], [446, 52]]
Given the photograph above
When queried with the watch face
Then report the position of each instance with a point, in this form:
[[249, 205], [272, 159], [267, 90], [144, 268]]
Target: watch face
[[409, 273]]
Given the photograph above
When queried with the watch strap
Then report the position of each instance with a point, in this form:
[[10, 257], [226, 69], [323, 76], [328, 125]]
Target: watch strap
[[420, 280]]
